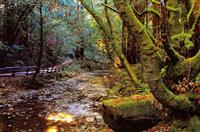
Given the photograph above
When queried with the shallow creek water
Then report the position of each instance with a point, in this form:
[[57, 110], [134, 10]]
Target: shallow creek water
[[65, 106]]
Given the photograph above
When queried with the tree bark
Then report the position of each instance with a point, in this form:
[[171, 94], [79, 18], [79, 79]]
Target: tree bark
[[39, 62], [115, 44], [150, 58]]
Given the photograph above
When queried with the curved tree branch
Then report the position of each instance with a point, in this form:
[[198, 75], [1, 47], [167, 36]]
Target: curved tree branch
[[108, 18], [111, 8], [168, 7], [147, 10], [173, 55], [196, 22], [148, 53], [115, 44]]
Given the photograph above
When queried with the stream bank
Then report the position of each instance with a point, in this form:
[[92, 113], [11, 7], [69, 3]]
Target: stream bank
[[67, 105]]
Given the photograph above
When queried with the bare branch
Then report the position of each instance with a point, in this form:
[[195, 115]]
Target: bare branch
[[111, 8]]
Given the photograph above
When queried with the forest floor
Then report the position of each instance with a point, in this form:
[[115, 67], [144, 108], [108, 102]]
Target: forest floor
[[68, 105]]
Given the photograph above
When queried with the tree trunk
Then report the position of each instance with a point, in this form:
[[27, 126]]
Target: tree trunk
[[150, 58], [39, 63], [129, 46], [8, 22], [115, 44]]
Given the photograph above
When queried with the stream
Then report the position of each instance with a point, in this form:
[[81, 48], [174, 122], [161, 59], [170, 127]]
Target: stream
[[68, 105]]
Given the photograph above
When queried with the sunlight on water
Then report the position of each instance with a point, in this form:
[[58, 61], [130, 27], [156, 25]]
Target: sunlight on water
[[63, 117], [52, 129]]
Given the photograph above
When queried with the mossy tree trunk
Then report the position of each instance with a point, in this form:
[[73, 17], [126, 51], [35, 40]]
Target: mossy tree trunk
[[181, 25], [129, 46], [149, 56], [112, 37]]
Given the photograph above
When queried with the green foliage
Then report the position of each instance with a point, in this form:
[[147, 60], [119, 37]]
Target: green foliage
[[184, 38], [190, 125], [163, 72], [69, 70], [123, 85], [66, 27], [62, 74], [75, 67], [197, 78]]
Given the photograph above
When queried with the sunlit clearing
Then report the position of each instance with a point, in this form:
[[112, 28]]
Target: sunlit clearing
[[61, 117], [52, 129]]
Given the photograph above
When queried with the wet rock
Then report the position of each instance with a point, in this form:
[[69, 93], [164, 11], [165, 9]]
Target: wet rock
[[130, 114]]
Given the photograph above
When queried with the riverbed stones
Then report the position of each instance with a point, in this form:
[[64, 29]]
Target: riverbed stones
[[134, 113]]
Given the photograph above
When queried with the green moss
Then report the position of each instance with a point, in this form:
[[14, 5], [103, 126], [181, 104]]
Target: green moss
[[194, 124], [123, 102], [124, 86], [163, 72], [192, 4], [183, 38], [190, 125], [138, 109], [197, 79], [178, 69], [135, 106], [149, 57], [63, 73], [113, 102]]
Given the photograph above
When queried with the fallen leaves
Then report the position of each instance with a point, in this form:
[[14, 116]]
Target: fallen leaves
[[186, 86], [31, 107]]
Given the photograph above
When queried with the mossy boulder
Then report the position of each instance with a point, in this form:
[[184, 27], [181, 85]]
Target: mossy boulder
[[132, 113]]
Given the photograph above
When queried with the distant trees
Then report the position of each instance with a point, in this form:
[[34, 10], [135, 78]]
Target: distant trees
[[65, 28], [14, 24]]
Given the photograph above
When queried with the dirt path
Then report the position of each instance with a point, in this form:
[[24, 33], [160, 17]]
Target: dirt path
[[65, 106]]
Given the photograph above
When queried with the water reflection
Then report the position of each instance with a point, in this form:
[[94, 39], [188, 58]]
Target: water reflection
[[63, 117], [52, 129], [32, 116]]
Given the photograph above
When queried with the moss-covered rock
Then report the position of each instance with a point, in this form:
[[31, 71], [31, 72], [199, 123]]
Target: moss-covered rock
[[131, 113]]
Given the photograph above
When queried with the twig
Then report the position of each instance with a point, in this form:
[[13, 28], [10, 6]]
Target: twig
[[111, 8]]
